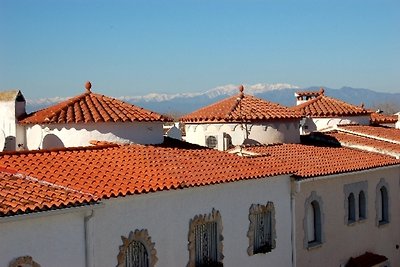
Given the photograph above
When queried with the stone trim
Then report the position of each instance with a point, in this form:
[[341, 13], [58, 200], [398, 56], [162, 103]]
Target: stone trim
[[25, 261], [143, 237], [257, 209], [214, 216], [320, 237]]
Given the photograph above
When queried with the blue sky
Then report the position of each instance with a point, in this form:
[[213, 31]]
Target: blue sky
[[50, 48]]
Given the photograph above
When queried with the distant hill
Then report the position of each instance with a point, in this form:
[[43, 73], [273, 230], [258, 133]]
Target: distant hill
[[280, 93]]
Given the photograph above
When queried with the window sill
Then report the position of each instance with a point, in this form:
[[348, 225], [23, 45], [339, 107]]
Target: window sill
[[314, 245], [383, 223], [351, 223]]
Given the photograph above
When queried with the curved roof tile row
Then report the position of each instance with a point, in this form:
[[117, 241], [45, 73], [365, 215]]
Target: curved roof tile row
[[90, 107], [111, 170], [241, 108], [324, 106]]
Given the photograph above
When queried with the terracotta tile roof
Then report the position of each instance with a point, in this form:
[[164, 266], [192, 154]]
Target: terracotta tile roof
[[359, 142], [248, 109], [368, 259], [324, 106], [378, 118], [111, 171], [376, 132], [90, 107], [21, 194], [306, 161]]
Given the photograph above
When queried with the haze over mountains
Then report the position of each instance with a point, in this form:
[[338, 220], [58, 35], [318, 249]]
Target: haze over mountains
[[281, 93]]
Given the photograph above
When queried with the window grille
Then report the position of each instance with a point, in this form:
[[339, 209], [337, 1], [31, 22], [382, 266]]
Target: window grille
[[136, 255], [261, 232], [137, 250], [206, 244], [205, 240]]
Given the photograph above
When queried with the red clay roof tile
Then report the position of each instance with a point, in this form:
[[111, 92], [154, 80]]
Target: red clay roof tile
[[324, 106], [241, 108], [21, 194], [378, 118], [377, 132], [306, 161], [90, 107]]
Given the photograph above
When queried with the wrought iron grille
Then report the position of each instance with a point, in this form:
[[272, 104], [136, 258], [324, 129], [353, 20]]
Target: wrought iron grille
[[136, 255], [263, 232], [206, 244]]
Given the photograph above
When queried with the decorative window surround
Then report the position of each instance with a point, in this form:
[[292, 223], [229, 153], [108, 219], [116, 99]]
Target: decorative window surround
[[255, 211], [355, 189], [143, 237], [204, 220], [382, 209], [318, 224], [25, 261]]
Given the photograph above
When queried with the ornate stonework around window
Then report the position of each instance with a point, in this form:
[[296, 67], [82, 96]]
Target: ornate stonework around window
[[261, 233], [205, 240], [25, 261], [139, 238]]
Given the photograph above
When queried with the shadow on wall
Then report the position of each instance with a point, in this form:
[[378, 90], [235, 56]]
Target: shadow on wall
[[52, 141]]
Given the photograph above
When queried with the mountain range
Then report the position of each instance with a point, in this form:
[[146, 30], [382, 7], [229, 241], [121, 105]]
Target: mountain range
[[282, 93]]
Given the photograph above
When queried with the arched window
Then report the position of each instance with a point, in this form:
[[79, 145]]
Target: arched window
[[313, 221], [211, 141], [384, 212], [362, 206], [137, 250], [352, 208], [382, 203]]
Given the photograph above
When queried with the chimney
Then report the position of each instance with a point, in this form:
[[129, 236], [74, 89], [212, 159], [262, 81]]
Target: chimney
[[302, 97]]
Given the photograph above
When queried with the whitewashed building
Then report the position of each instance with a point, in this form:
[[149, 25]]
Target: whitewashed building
[[322, 112], [77, 121], [241, 119]]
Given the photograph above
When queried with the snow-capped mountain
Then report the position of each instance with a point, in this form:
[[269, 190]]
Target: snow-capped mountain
[[225, 90], [179, 104]]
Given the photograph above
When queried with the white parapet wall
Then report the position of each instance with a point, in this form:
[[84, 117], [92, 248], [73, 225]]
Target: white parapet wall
[[284, 131], [72, 135]]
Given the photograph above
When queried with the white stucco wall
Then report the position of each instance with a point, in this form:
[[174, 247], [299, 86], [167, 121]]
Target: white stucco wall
[[317, 124], [56, 240], [8, 123], [343, 241], [285, 131], [166, 216], [72, 135]]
